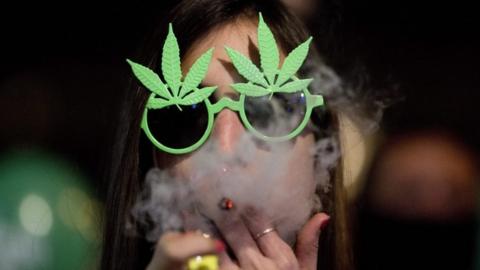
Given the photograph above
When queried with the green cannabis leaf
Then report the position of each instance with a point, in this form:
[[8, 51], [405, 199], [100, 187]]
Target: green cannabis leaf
[[271, 79], [250, 89], [174, 91], [171, 68], [245, 67], [157, 103], [197, 96], [196, 73], [269, 56], [150, 79], [293, 62], [295, 86]]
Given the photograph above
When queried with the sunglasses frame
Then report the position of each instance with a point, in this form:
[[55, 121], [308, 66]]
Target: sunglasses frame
[[312, 101], [270, 78]]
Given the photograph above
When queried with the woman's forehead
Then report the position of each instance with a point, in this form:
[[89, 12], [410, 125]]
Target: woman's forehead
[[221, 72]]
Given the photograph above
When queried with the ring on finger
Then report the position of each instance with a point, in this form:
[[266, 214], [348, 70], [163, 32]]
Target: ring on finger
[[263, 233]]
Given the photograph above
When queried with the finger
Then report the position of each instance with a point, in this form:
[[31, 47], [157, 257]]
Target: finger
[[241, 242], [175, 248], [226, 263], [271, 244], [307, 241]]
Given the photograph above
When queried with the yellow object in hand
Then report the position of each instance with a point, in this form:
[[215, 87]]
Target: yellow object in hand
[[208, 262]]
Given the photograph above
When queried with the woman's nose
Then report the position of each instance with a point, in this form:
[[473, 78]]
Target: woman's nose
[[227, 130]]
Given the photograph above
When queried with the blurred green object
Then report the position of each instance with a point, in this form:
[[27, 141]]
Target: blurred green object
[[206, 262], [47, 214]]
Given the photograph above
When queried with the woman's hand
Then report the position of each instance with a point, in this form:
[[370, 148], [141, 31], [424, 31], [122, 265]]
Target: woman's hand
[[306, 249], [174, 249], [266, 252], [255, 251]]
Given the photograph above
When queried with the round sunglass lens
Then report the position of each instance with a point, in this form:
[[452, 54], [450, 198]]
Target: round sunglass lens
[[177, 128], [277, 115]]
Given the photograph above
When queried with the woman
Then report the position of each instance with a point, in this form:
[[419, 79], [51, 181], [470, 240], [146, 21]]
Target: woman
[[200, 25]]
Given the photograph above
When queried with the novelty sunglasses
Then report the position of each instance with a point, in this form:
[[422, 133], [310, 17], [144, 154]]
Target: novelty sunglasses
[[274, 105]]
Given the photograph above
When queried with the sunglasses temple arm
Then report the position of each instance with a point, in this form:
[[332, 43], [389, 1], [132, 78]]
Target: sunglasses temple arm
[[317, 100]]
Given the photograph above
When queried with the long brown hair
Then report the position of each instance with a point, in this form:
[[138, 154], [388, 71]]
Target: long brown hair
[[132, 152]]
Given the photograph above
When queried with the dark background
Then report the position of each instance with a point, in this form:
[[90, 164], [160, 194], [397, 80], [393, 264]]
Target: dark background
[[63, 69]]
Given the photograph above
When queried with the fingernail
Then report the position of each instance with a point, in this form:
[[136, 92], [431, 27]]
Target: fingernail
[[219, 246], [325, 223]]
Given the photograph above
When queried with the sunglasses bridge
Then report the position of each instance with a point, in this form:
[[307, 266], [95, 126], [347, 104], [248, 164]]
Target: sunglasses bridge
[[226, 102]]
